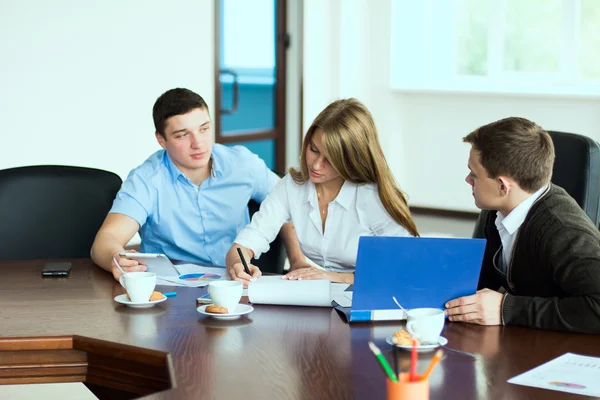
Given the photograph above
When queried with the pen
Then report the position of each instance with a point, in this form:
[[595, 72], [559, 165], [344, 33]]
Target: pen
[[244, 261], [396, 363], [170, 294], [436, 358], [383, 362], [413, 362]]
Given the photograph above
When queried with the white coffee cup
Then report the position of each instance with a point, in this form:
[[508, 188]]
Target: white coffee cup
[[425, 324], [226, 293], [139, 285]]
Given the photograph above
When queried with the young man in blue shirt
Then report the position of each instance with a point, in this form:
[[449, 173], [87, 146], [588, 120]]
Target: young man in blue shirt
[[188, 200]]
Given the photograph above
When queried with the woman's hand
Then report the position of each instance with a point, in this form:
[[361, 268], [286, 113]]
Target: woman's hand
[[236, 268], [238, 274], [310, 273]]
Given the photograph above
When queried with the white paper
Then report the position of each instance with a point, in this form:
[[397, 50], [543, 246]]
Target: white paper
[[175, 281], [569, 373], [183, 269], [196, 269], [32, 391], [339, 294], [388, 315], [274, 290]]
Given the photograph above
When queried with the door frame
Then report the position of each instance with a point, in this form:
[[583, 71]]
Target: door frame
[[278, 133]]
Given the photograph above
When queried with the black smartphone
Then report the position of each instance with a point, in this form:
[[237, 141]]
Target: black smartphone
[[62, 268]]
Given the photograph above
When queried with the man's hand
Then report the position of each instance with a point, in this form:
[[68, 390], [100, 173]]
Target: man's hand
[[482, 308], [127, 265], [238, 274]]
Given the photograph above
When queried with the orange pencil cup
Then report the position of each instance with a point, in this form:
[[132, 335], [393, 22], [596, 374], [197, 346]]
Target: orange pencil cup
[[406, 390]]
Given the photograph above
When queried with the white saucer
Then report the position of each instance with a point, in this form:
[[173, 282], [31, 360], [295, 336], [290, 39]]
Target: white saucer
[[123, 299], [422, 348], [240, 309]]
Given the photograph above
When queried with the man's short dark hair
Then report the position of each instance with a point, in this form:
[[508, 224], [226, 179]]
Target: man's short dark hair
[[173, 102], [517, 148]]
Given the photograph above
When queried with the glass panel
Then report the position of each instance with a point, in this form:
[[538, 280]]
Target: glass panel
[[472, 37], [248, 48], [248, 34], [256, 110], [589, 56], [265, 149], [532, 35]]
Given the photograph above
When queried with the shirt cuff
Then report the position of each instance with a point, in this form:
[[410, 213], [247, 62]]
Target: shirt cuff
[[249, 241], [132, 210], [502, 309]]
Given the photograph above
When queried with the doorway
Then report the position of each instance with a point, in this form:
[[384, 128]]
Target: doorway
[[250, 77]]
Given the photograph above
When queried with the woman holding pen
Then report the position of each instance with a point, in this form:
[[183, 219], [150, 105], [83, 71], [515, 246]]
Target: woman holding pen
[[344, 189]]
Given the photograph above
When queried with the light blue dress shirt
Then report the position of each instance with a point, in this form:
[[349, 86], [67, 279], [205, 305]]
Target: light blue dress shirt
[[194, 223]]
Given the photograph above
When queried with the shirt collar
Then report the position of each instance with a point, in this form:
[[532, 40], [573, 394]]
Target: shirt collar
[[344, 197], [175, 172], [515, 218], [310, 196], [217, 162]]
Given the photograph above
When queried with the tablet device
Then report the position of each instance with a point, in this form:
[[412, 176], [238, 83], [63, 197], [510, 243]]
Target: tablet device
[[157, 263]]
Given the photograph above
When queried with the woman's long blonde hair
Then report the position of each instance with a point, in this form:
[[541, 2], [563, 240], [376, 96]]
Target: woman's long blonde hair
[[352, 147]]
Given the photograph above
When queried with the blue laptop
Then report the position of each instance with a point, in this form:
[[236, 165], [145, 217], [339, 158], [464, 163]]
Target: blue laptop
[[419, 272]]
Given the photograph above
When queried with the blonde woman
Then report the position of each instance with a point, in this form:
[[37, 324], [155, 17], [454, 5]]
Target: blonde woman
[[343, 190]]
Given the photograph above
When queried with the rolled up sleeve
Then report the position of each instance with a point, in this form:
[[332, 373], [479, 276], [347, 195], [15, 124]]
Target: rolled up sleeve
[[135, 198]]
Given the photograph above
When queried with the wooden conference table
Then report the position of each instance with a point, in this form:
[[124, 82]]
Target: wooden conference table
[[275, 352]]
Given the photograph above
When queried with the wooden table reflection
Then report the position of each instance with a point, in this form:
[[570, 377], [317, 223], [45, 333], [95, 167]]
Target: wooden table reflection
[[276, 352]]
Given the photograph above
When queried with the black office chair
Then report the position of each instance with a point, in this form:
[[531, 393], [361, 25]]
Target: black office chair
[[576, 169], [274, 259], [51, 211]]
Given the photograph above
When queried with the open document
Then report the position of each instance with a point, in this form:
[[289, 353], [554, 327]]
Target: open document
[[569, 373], [192, 275], [278, 291]]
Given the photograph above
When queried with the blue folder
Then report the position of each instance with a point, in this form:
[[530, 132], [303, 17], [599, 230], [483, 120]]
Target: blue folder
[[419, 272]]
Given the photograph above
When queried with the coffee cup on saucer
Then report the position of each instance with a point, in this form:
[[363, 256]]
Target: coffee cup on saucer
[[226, 294], [139, 285], [425, 324]]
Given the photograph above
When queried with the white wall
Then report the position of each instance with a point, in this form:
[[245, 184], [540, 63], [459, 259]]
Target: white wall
[[78, 78], [293, 82], [347, 54], [78, 81]]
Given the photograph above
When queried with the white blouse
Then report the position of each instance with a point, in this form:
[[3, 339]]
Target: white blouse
[[356, 211]]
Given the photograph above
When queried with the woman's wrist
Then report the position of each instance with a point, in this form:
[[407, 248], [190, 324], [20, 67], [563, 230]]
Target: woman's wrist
[[341, 277], [296, 260]]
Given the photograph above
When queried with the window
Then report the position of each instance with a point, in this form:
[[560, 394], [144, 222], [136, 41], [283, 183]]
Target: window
[[513, 46], [248, 44]]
